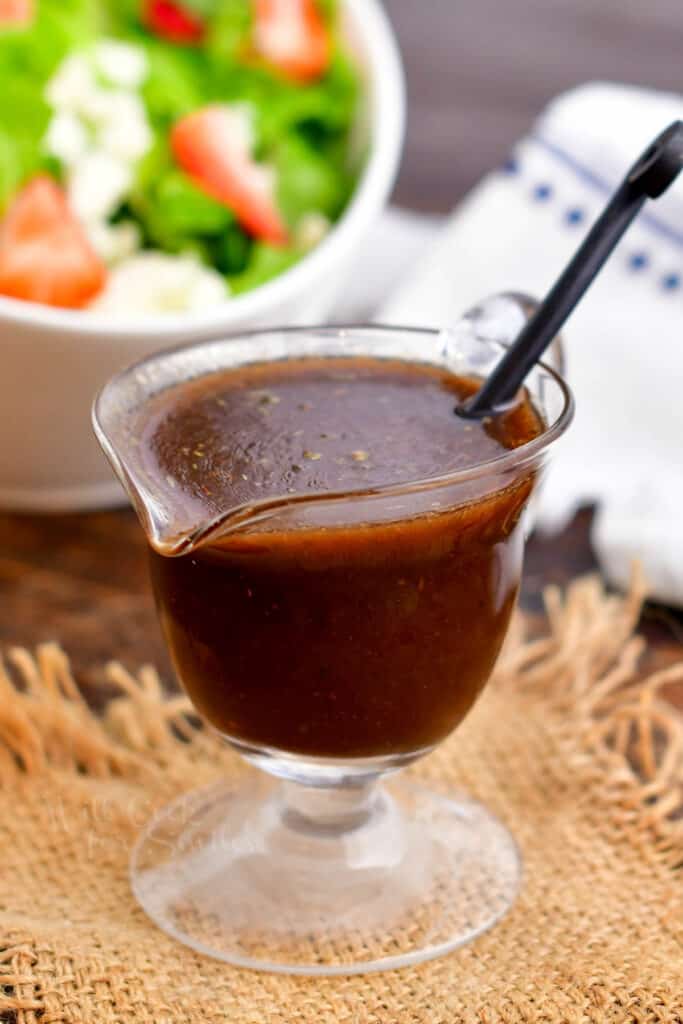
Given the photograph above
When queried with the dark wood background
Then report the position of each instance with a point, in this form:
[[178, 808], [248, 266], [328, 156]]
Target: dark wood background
[[479, 71]]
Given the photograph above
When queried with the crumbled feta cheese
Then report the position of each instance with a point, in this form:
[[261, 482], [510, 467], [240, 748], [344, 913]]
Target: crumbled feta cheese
[[72, 84], [121, 63], [125, 132], [128, 142], [96, 105], [97, 185], [99, 131], [311, 229], [103, 107], [114, 242], [157, 283], [66, 138], [116, 115], [209, 289]]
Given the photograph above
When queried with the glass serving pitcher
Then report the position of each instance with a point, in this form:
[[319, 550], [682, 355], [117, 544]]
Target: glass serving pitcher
[[331, 638]]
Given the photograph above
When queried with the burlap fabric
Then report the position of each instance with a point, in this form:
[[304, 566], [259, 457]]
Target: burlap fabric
[[569, 746]]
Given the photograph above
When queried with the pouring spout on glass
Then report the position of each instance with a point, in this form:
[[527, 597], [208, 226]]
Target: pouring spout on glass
[[175, 521]]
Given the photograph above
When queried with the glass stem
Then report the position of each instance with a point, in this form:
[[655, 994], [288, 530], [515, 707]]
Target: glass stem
[[331, 811]]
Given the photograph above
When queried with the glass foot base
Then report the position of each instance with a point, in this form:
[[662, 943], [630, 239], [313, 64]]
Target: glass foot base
[[247, 874]]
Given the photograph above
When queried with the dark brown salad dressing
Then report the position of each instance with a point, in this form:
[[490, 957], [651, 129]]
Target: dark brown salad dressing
[[366, 636]]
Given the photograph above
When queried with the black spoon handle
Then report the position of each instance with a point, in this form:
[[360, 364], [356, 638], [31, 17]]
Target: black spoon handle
[[651, 175]]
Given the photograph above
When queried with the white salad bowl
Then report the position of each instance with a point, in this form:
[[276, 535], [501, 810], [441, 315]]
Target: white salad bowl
[[54, 361]]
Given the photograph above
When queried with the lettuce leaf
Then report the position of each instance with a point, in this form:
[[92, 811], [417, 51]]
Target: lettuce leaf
[[306, 181], [230, 252], [228, 32], [176, 83], [28, 58], [266, 262], [187, 210], [24, 117], [34, 52]]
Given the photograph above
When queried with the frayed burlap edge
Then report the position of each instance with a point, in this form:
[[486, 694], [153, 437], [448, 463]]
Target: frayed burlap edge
[[614, 727], [612, 719]]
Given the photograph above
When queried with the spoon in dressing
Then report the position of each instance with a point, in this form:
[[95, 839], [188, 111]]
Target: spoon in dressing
[[654, 171]]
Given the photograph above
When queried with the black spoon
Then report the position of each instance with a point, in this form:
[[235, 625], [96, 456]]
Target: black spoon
[[649, 177]]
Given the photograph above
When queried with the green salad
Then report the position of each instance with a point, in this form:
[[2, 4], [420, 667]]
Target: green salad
[[164, 155]]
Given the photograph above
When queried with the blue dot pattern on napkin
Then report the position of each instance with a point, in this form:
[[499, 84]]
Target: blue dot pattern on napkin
[[638, 261], [575, 215], [543, 192]]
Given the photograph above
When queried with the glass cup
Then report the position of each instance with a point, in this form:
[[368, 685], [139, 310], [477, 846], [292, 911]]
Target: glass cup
[[332, 640]]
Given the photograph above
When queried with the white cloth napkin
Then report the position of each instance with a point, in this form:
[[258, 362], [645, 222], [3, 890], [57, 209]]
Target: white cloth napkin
[[624, 344]]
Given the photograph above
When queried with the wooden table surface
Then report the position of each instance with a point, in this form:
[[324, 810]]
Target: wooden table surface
[[478, 72]]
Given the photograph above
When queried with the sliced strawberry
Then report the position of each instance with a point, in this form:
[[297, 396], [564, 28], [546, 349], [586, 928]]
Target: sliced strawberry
[[16, 12], [45, 255], [212, 145], [172, 21], [291, 34]]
